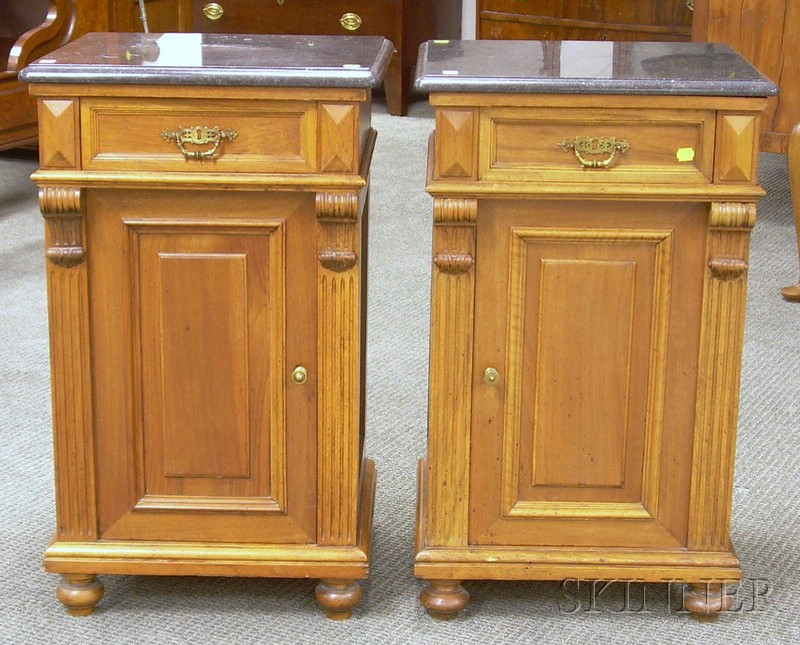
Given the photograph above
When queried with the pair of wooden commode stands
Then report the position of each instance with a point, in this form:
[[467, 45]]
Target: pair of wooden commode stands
[[205, 200]]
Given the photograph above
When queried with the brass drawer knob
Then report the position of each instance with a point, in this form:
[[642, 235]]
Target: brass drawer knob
[[213, 11], [608, 146], [199, 135], [350, 21], [300, 375], [491, 376]]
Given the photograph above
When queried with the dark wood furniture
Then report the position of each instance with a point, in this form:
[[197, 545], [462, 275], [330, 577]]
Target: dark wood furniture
[[208, 389], [765, 32], [28, 30], [407, 23], [598, 20], [792, 292], [593, 204]]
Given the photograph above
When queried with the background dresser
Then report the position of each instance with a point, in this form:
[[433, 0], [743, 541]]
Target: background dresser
[[597, 20], [592, 210], [205, 200], [406, 23], [765, 33], [28, 29]]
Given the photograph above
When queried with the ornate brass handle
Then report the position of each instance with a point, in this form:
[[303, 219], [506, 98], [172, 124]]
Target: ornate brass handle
[[199, 135], [213, 11], [350, 21], [595, 146], [690, 5]]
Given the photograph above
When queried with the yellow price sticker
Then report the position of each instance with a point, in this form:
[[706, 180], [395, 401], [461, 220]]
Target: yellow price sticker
[[685, 154]]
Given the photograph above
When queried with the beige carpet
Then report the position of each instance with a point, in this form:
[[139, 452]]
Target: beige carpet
[[766, 527]]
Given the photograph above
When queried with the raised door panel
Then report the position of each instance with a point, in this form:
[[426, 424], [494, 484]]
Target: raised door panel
[[196, 329], [585, 438]]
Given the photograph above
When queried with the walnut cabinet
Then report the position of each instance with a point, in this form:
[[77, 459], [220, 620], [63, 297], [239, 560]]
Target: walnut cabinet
[[765, 33], [206, 280], [590, 262]]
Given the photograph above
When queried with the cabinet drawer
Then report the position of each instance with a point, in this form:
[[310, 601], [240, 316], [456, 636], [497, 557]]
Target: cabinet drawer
[[607, 20], [268, 138], [652, 146], [507, 27], [642, 12], [319, 17]]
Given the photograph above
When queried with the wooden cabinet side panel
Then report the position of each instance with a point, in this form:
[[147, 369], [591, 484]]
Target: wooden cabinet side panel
[[70, 363], [724, 299], [450, 380], [340, 320]]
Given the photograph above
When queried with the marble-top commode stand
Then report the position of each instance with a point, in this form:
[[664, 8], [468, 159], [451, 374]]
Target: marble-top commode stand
[[206, 201], [592, 204]]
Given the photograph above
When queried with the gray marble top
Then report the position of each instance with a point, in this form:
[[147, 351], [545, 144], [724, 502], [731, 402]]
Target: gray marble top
[[216, 59], [587, 67]]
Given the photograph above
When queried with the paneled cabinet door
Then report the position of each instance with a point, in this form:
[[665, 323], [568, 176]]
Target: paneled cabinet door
[[203, 347], [588, 312]]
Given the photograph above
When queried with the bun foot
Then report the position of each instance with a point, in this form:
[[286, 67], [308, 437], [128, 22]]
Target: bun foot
[[338, 597], [792, 294], [444, 598], [706, 600], [79, 593]]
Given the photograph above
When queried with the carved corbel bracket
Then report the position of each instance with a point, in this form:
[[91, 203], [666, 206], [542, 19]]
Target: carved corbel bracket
[[454, 234], [729, 224], [732, 215], [62, 208], [337, 216]]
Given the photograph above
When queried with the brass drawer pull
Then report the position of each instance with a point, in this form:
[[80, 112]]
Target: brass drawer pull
[[199, 135], [350, 21], [690, 5], [595, 146], [491, 376], [213, 11]]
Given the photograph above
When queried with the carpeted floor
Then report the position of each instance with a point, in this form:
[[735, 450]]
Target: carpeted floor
[[766, 528]]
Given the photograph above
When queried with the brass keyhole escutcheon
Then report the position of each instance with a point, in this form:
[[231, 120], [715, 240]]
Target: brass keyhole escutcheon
[[350, 21], [300, 375], [491, 376], [213, 11]]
